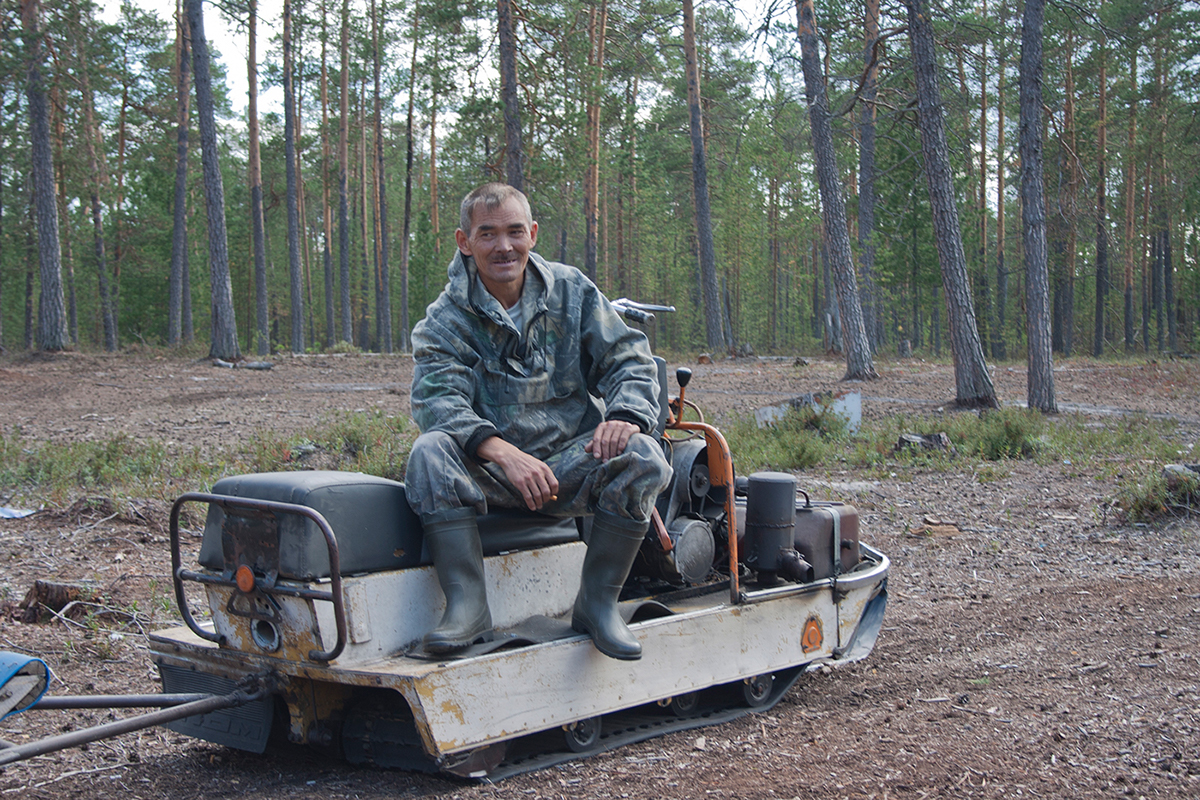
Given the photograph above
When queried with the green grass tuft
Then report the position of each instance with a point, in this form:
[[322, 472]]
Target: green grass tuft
[[55, 473]]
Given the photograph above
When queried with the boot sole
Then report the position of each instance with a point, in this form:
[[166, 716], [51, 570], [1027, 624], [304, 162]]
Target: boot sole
[[458, 644], [579, 627]]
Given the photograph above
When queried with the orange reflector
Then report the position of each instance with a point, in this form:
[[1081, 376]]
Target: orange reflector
[[813, 637], [245, 579]]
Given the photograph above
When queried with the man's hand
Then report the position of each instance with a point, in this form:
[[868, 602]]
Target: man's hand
[[532, 478], [610, 438]]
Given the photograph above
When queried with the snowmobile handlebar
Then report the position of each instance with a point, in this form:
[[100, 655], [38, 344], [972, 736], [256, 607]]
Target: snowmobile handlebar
[[638, 312]]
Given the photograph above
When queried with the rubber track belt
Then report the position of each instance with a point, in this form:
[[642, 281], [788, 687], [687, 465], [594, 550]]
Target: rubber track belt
[[638, 724]]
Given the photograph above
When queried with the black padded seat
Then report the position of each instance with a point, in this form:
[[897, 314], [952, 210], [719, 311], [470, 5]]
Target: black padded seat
[[371, 520]]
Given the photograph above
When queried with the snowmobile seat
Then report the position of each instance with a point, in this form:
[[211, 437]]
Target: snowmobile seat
[[370, 518]]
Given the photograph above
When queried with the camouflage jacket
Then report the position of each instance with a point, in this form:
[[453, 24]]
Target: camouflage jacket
[[575, 364]]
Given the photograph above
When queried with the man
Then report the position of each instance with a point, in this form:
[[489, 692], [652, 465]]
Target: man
[[511, 362]]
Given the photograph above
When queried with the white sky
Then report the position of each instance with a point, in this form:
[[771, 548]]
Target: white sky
[[230, 42]]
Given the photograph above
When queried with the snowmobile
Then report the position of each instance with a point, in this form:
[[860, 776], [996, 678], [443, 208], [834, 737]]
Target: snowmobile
[[304, 615]]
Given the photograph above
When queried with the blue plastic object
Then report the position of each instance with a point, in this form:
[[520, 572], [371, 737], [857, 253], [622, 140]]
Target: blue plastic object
[[23, 681]]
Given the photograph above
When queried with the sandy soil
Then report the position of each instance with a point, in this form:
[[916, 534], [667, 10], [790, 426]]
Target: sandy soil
[[1042, 650]]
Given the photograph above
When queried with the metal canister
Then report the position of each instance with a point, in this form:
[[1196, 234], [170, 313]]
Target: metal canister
[[770, 520]]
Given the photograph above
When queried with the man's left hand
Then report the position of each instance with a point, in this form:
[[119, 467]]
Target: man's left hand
[[610, 438]]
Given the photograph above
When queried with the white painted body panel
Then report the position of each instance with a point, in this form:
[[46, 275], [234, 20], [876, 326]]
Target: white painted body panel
[[387, 612], [463, 704]]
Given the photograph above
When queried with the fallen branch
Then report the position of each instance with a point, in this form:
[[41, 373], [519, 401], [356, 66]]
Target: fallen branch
[[64, 776]]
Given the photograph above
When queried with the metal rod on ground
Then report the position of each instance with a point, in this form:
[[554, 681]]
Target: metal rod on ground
[[116, 701], [76, 738]]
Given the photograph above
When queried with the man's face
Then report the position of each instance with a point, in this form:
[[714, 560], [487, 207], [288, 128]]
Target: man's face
[[500, 240]]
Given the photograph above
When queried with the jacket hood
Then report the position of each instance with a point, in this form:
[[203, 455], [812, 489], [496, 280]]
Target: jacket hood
[[468, 292]]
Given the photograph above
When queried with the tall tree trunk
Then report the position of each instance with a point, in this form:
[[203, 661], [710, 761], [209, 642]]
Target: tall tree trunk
[[713, 329], [118, 208], [1130, 193], [434, 221], [513, 166], [3, 239], [989, 313], [1147, 243], [999, 346], [179, 244], [773, 247], [383, 307], [597, 30], [99, 176], [344, 176], [295, 282], [1040, 380], [1101, 210], [258, 242], [31, 257], [409, 157], [68, 257], [866, 185], [1165, 301], [224, 344], [326, 172], [1072, 203], [635, 279], [973, 384], [364, 319], [52, 318], [859, 365]]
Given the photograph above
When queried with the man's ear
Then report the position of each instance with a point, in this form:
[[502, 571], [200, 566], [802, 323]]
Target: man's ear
[[533, 235], [463, 243]]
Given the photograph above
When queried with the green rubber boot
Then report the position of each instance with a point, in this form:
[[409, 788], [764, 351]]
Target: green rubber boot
[[611, 550], [453, 539]]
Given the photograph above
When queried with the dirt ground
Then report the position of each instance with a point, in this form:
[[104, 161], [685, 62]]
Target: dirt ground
[[1041, 650]]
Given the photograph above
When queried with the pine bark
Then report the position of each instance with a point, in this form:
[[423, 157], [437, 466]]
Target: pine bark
[[434, 221], [3, 239], [713, 328], [254, 168], [383, 306], [859, 365], [973, 384], [99, 176], [52, 319], [295, 277], [866, 179], [513, 166], [176, 287], [224, 343], [1130, 211], [326, 172], [1101, 211], [1165, 299], [347, 334], [68, 257], [409, 157], [989, 340], [597, 29], [1071, 206], [999, 344], [364, 182], [1040, 375]]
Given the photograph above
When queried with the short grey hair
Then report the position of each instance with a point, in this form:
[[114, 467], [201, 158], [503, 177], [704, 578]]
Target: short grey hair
[[491, 196]]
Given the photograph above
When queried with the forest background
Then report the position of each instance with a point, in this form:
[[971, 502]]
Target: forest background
[[397, 111]]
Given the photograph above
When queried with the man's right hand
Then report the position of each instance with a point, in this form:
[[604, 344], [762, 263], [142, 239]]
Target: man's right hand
[[531, 477]]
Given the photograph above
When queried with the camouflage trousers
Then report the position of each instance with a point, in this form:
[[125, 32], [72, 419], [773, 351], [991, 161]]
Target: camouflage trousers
[[440, 478]]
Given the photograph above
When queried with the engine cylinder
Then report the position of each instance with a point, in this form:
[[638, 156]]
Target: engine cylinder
[[770, 520]]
